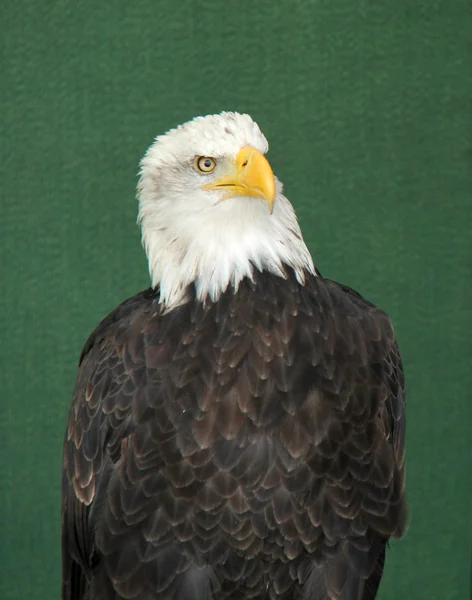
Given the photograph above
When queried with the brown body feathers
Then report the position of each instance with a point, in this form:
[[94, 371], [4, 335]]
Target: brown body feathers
[[247, 448]]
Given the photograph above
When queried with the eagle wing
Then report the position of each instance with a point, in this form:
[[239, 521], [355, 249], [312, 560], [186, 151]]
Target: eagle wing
[[100, 420], [375, 455]]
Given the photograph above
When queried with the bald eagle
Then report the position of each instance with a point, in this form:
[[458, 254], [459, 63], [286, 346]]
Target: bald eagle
[[237, 430]]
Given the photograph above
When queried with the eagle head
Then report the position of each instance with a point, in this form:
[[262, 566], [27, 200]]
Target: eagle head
[[211, 209]]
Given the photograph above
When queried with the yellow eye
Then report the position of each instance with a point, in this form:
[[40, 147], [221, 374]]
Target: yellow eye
[[205, 164]]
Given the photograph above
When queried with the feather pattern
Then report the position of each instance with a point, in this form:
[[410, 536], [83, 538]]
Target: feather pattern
[[248, 447]]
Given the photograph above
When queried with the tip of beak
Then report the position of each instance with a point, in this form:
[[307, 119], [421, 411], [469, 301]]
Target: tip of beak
[[256, 174], [269, 191]]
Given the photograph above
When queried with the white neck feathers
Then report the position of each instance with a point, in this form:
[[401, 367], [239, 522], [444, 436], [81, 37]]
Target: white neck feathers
[[220, 248]]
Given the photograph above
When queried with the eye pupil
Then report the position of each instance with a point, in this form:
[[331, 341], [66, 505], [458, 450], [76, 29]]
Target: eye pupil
[[207, 163]]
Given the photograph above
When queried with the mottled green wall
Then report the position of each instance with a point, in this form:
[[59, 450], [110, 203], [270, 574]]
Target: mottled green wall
[[367, 106]]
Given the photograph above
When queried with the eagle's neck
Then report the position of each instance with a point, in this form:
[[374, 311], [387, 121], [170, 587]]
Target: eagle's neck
[[223, 249]]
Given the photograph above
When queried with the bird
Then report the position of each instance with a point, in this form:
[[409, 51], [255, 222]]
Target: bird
[[237, 429]]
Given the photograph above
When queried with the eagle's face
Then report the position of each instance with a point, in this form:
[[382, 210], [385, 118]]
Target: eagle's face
[[211, 207], [207, 161]]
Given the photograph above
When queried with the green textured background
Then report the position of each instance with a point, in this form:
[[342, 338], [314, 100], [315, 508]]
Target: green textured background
[[367, 106]]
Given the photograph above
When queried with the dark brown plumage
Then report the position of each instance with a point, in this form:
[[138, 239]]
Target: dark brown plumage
[[247, 448]]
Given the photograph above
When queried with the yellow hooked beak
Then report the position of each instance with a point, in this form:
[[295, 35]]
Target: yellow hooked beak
[[253, 177]]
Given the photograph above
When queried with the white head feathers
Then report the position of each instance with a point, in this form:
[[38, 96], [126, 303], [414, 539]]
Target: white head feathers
[[196, 235]]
